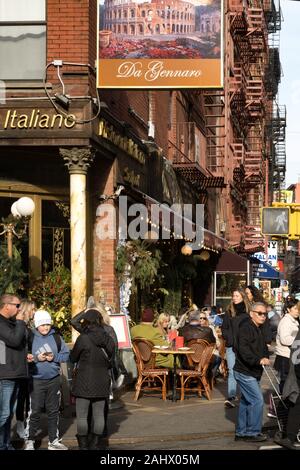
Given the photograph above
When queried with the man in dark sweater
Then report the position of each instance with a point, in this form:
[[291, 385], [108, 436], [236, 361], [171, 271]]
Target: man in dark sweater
[[251, 355], [13, 363]]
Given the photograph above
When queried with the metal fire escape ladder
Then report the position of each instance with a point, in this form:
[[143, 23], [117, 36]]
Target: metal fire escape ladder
[[256, 105], [279, 157], [215, 131]]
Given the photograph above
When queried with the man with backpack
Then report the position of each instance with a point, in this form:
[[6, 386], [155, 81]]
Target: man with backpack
[[48, 350]]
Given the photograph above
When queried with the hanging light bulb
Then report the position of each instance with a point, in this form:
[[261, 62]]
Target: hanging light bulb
[[204, 255], [151, 236], [187, 250]]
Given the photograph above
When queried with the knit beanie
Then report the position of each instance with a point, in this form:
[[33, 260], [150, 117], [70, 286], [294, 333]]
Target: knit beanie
[[42, 317], [148, 315]]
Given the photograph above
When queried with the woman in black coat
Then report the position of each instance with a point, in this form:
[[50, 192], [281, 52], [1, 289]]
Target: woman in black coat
[[92, 352], [238, 310]]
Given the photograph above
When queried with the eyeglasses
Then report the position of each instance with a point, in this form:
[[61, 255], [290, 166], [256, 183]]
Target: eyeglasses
[[260, 313], [11, 303], [202, 318]]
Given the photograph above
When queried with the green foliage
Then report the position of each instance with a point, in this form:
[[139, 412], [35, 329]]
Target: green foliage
[[173, 284], [53, 293], [143, 261], [11, 272], [187, 267], [172, 303]]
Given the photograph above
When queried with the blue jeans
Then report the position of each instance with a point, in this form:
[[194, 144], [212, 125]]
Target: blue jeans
[[8, 397], [251, 406], [231, 384]]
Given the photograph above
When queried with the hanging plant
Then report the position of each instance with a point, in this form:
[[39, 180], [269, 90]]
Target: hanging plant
[[144, 263]]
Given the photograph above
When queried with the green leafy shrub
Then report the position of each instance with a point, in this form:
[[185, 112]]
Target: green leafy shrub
[[11, 272], [53, 293]]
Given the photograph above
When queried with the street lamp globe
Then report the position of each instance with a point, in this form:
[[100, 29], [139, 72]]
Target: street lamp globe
[[25, 206], [14, 210]]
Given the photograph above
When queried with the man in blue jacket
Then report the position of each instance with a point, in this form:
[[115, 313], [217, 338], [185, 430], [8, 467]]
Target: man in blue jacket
[[13, 364]]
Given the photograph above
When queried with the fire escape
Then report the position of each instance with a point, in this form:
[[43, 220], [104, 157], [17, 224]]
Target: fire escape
[[256, 104], [277, 115], [253, 84], [185, 152], [278, 155]]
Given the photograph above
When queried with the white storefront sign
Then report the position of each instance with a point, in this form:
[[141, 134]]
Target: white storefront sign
[[272, 257]]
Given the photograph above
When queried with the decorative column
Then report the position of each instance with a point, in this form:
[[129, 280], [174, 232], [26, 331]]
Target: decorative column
[[78, 161]]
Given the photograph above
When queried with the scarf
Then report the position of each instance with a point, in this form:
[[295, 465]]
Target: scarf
[[239, 308]]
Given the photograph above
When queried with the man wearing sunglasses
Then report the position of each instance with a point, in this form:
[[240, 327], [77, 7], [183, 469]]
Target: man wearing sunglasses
[[13, 364], [251, 354]]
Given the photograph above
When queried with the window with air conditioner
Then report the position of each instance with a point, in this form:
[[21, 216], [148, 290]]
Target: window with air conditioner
[[22, 39]]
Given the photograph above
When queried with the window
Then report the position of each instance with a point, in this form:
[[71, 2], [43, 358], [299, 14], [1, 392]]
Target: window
[[225, 284], [22, 39], [55, 235]]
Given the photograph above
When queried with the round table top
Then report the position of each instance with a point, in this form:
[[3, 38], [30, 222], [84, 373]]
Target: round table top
[[183, 350]]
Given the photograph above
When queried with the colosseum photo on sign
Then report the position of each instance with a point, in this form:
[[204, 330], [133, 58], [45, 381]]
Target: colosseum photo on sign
[[171, 29]]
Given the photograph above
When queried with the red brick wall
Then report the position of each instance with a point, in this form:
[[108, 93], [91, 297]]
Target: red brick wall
[[71, 37], [104, 251]]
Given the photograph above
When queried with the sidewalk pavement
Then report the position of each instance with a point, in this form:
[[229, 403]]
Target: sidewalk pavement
[[151, 423]]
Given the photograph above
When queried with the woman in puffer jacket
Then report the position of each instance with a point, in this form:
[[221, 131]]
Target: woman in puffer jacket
[[92, 352]]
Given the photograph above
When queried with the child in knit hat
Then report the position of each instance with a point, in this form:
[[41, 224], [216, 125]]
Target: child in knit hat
[[49, 350]]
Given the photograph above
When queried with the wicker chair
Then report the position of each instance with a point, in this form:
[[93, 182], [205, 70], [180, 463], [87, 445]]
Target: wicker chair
[[149, 377], [200, 362]]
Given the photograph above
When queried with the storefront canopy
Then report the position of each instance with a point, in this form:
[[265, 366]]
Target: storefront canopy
[[210, 239], [262, 270], [231, 262]]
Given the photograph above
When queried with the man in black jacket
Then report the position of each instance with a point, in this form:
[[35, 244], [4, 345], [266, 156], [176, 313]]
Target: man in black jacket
[[13, 364], [251, 355], [195, 330]]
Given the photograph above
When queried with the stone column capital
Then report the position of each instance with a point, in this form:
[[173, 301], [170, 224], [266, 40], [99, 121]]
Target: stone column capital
[[78, 159]]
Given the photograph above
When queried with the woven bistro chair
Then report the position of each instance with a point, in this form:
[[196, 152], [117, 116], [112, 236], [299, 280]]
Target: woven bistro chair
[[200, 362], [149, 378]]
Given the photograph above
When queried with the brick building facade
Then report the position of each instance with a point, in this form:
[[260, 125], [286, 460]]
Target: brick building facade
[[194, 148]]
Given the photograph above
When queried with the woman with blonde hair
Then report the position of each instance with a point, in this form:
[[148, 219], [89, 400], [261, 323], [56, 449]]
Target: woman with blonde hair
[[27, 307], [162, 323], [238, 309]]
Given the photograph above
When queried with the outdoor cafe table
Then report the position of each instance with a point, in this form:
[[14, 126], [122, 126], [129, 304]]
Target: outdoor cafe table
[[175, 353]]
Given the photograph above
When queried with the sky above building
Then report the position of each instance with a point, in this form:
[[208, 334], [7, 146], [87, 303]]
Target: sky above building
[[289, 90]]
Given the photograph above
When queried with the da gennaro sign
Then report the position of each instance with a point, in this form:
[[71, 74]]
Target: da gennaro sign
[[160, 44]]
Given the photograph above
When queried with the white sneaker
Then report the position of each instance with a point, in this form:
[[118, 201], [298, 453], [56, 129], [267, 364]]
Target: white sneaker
[[20, 430], [29, 445], [56, 445]]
